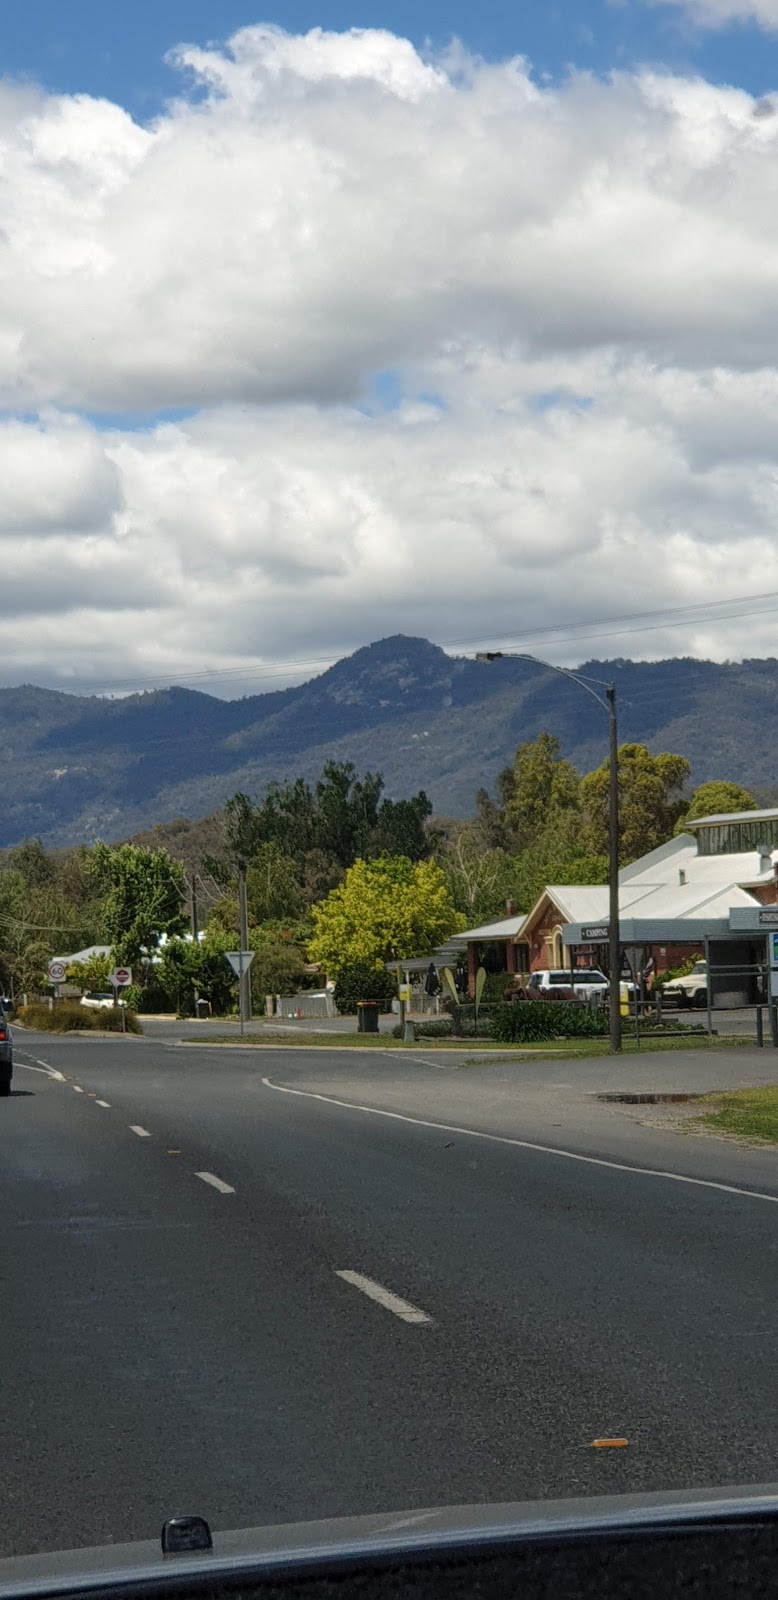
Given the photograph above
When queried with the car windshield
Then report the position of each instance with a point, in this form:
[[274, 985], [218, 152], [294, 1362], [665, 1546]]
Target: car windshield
[[388, 540]]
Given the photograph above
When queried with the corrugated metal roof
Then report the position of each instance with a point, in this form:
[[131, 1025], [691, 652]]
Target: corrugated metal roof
[[508, 928]]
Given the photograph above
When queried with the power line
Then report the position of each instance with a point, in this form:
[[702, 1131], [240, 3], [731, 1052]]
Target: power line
[[692, 614]]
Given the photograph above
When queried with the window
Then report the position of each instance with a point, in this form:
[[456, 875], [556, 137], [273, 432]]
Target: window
[[730, 838]]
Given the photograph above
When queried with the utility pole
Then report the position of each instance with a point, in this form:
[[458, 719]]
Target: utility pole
[[245, 981], [614, 934]]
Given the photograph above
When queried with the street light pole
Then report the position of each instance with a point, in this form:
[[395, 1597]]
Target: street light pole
[[614, 935]]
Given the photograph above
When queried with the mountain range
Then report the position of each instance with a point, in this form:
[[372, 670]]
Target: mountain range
[[86, 767]]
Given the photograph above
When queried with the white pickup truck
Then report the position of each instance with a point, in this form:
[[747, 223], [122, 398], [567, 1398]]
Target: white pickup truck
[[689, 991], [587, 984]]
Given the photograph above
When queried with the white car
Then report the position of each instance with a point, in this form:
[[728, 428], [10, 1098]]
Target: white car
[[587, 984], [689, 991], [100, 1000]]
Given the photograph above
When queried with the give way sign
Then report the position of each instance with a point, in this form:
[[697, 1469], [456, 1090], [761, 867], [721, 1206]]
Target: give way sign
[[121, 977]]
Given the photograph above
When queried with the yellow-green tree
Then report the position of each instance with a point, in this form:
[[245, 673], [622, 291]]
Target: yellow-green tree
[[383, 910]]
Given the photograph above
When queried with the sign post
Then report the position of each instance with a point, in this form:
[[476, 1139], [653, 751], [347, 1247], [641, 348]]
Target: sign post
[[240, 961], [57, 972], [121, 978]]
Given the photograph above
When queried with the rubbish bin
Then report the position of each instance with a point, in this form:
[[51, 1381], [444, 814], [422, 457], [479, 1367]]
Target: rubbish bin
[[367, 1016], [202, 1008]]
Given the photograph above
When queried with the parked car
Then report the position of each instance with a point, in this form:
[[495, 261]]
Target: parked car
[[587, 983], [6, 1054], [100, 999], [689, 991]]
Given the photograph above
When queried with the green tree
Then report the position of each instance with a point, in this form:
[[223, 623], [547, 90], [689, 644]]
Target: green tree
[[541, 785], [363, 981], [92, 974], [272, 888], [384, 909], [710, 799], [180, 972], [279, 965], [650, 801], [145, 896], [242, 829], [479, 881]]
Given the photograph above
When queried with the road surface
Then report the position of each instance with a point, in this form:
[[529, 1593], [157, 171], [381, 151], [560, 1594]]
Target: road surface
[[225, 1298]]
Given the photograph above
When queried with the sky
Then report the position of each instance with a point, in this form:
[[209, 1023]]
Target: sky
[[321, 324]]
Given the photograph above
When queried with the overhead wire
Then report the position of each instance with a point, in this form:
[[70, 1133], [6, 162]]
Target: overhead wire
[[694, 613]]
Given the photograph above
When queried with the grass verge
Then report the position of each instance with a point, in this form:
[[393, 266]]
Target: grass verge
[[750, 1114], [574, 1048]]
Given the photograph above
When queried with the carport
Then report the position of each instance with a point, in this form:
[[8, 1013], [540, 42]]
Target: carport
[[740, 947]]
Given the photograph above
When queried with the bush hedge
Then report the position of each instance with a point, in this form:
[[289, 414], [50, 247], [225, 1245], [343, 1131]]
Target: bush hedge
[[68, 1016], [546, 1019], [435, 1028], [360, 981]]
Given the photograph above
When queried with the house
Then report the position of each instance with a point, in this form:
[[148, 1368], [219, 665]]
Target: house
[[708, 883], [497, 945]]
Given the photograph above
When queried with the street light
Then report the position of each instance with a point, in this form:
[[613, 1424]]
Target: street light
[[608, 704]]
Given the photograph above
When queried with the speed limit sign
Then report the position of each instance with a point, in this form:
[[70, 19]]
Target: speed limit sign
[[121, 977], [56, 972]]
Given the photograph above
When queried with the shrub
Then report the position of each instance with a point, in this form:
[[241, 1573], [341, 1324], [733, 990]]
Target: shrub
[[68, 1016], [433, 1029], [681, 971], [360, 981], [538, 1020], [495, 987]]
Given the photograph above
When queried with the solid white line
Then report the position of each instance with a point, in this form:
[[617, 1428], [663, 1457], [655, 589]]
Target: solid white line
[[384, 1297], [76, 1089], [105, 1103], [216, 1183], [143, 1133], [528, 1144]]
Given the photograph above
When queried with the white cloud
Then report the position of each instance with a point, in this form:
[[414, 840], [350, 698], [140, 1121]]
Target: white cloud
[[721, 13], [573, 288]]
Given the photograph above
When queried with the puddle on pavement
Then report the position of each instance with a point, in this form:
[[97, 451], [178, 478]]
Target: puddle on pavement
[[636, 1098]]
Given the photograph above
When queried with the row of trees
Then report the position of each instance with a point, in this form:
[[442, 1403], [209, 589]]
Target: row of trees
[[338, 874]]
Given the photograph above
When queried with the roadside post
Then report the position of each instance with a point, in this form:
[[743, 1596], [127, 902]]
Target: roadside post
[[240, 961], [772, 939], [121, 978], [56, 976]]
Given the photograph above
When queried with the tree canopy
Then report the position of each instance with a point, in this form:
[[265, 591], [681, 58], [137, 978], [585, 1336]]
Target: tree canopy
[[385, 909], [145, 896], [719, 795], [650, 801]]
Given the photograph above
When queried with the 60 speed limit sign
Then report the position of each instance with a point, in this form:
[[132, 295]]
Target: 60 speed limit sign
[[121, 977], [56, 972]]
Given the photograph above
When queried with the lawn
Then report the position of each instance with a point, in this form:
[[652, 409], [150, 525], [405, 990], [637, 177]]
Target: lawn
[[743, 1114], [568, 1048]]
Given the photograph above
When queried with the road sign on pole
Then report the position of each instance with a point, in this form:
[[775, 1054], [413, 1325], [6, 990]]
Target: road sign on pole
[[240, 961], [121, 977], [57, 972]]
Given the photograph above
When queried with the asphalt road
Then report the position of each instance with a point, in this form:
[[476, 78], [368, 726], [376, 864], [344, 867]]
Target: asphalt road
[[171, 1344]]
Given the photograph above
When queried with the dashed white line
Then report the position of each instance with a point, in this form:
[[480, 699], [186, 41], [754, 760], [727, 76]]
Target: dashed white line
[[384, 1297], [526, 1144], [143, 1133], [216, 1183], [105, 1103], [76, 1089]]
